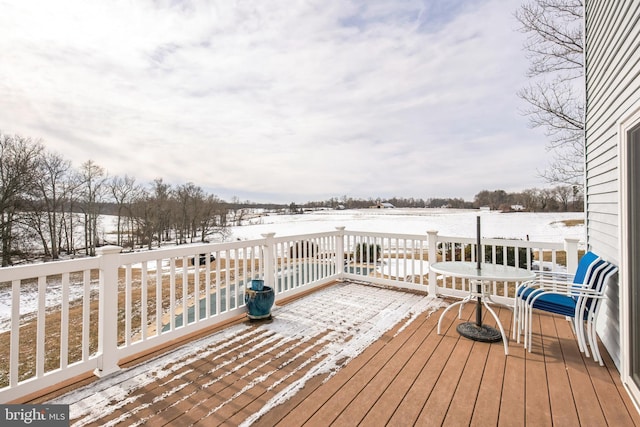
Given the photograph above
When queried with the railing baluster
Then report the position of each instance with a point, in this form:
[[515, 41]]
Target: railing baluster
[[185, 291], [86, 314], [237, 276], [217, 283], [144, 283], [159, 297], [196, 286], [64, 322], [128, 294], [207, 285], [172, 295], [227, 280], [40, 330], [316, 255], [14, 352]]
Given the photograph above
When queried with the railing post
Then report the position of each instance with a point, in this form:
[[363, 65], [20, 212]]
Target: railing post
[[340, 251], [108, 310], [571, 249], [269, 261], [432, 239]]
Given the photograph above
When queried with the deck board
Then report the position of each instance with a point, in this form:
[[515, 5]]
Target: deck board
[[466, 396], [409, 376], [487, 406], [538, 408], [388, 403], [355, 397], [420, 391]]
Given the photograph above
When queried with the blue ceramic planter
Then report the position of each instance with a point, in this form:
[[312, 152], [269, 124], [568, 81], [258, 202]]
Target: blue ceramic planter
[[259, 302]]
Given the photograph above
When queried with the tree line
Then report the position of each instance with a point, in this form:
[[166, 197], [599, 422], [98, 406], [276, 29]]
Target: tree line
[[49, 208], [562, 198], [45, 202]]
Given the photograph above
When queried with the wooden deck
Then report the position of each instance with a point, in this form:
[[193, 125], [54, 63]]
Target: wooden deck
[[410, 376]]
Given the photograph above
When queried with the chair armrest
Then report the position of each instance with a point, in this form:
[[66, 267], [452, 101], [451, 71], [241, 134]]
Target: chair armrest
[[555, 275], [541, 283]]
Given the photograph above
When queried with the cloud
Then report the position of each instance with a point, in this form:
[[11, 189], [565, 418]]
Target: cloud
[[279, 100]]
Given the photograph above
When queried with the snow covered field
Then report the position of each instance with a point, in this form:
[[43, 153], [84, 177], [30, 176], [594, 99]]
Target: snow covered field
[[448, 222]]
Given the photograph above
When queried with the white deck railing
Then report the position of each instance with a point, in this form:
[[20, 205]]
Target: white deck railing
[[71, 318]]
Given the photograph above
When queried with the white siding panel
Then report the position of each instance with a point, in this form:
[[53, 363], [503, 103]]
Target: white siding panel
[[604, 215], [609, 314], [606, 243], [596, 197], [612, 59]]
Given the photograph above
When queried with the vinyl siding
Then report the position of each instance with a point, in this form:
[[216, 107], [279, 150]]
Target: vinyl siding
[[612, 61]]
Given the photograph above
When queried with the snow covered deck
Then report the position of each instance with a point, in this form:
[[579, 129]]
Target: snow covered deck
[[352, 353]]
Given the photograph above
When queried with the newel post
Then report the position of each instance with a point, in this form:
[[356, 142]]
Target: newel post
[[432, 240], [340, 251], [108, 310], [571, 249], [269, 260]]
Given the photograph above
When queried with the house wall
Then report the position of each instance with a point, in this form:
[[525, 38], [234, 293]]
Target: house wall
[[612, 60]]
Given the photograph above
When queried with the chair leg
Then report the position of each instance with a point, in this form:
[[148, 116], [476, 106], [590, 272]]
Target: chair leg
[[529, 330], [584, 336], [593, 342], [516, 323], [525, 324], [579, 332], [522, 323], [595, 349]]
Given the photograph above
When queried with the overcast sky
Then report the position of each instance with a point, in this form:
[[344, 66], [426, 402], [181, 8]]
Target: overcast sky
[[277, 100]]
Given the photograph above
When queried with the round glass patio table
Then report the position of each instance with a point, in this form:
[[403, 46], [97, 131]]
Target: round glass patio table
[[480, 278]]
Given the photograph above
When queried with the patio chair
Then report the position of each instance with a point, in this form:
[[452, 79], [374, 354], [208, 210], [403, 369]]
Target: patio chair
[[576, 297]]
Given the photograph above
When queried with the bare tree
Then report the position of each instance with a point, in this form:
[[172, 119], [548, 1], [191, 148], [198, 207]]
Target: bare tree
[[187, 196], [146, 217], [160, 200], [50, 192], [18, 158], [212, 217], [493, 199], [93, 178], [72, 187], [563, 195], [555, 49], [124, 191]]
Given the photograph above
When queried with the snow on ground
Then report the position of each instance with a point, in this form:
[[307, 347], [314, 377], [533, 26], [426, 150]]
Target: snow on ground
[[345, 318], [402, 267], [448, 222]]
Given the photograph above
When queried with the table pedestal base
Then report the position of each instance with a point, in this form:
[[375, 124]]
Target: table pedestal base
[[471, 330], [481, 333]]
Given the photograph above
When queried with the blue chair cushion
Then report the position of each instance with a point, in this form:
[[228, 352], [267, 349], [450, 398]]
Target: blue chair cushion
[[524, 293], [556, 303]]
